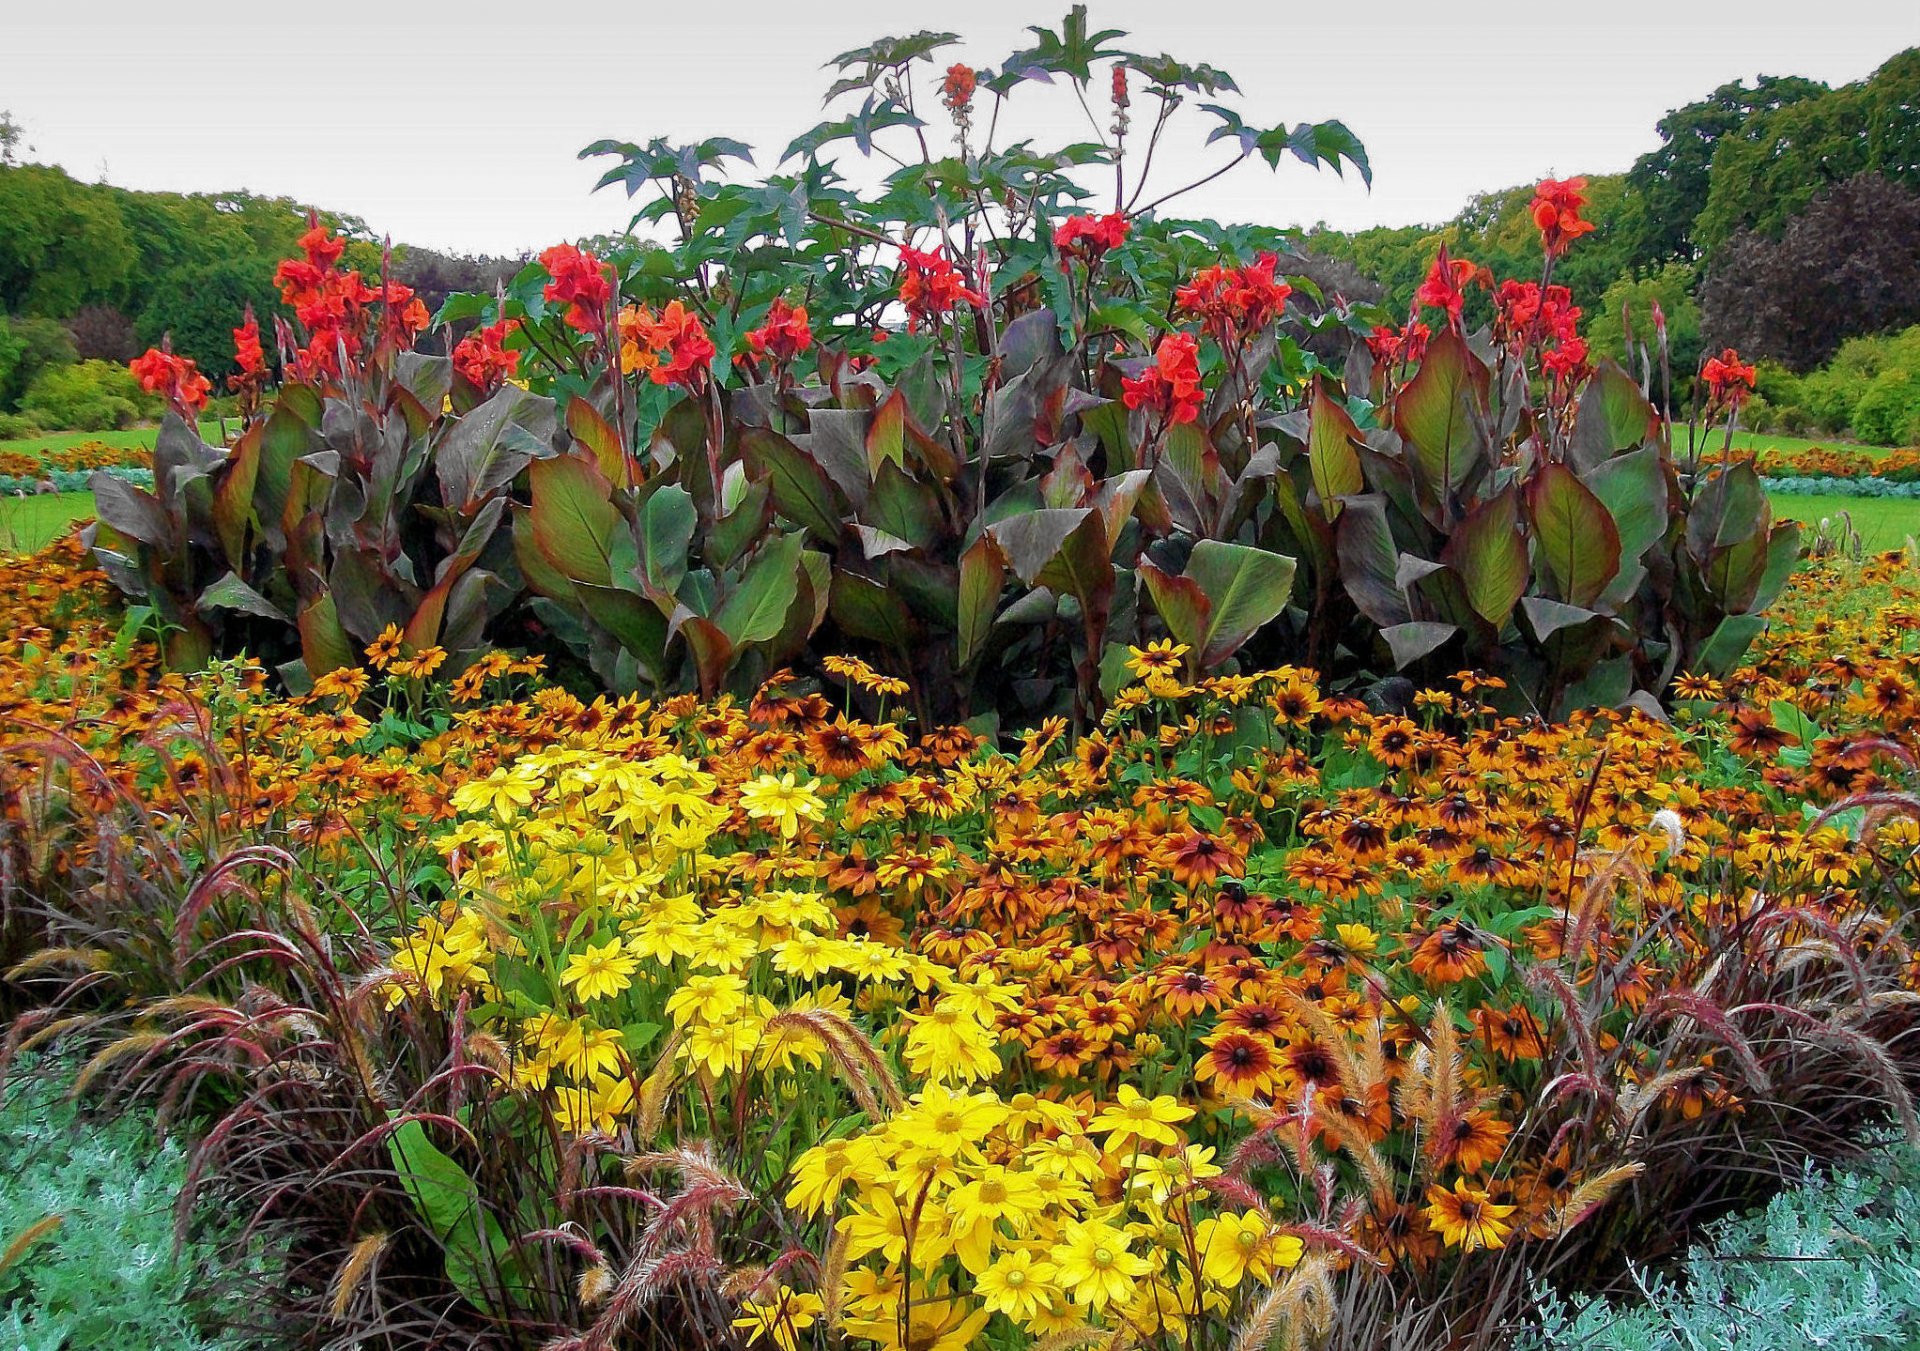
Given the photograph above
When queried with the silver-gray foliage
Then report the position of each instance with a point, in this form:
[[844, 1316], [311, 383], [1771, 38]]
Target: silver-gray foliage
[[1831, 1263]]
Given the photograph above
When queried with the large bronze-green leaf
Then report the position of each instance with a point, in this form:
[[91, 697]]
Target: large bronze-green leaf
[[1729, 508], [982, 574], [1574, 534], [491, 444], [1063, 548], [324, 645], [1331, 458], [600, 440], [233, 497], [1233, 591], [1369, 562], [1489, 556], [574, 517], [1436, 415], [1614, 416], [801, 490]]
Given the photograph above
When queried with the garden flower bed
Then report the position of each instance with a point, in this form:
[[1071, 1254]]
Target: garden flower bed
[[1254, 1007], [950, 768]]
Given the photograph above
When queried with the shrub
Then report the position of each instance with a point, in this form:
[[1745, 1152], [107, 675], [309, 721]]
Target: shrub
[[28, 347], [18, 427], [1833, 1261], [1847, 265], [92, 396], [103, 333], [1888, 412], [87, 1208]]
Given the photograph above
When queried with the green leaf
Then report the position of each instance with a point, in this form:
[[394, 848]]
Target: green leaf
[[1435, 413], [1235, 590], [472, 1240], [1331, 458], [667, 522], [1411, 641], [1790, 719], [1489, 555], [1574, 534], [230, 593], [574, 518], [754, 610]]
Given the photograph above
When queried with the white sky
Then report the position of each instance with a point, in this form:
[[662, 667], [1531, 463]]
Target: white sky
[[455, 125]]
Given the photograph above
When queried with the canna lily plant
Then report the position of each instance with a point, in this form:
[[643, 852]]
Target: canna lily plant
[[985, 427]]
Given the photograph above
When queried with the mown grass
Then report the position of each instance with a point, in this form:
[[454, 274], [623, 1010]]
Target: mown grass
[[133, 436], [1883, 522], [30, 523], [1762, 441]]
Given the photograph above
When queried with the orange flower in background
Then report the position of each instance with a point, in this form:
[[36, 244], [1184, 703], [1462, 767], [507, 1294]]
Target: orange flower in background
[[1171, 385], [174, 378], [1556, 208], [482, 359], [784, 335], [1088, 238], [580, 282], [931, 286], [672, 348], [1729, 380]]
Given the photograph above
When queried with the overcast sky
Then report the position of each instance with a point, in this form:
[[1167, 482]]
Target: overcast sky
[[457, 125]]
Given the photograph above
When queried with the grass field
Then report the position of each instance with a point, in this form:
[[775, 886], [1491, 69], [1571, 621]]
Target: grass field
[[29, 523], [1883, 522], [1774, 441], [134, 436]]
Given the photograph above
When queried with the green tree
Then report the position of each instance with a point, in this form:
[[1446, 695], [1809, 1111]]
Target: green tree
[[28, 347], [1668, 186], [1786, 156], [63, 244], [1628, 304], [198, 306]]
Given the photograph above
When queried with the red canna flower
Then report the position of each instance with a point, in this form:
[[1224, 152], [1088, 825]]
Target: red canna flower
[[1445, 286], [1234, 303], [1171, 385], [1392, 346], [672, 348], [932, 286], [1089, 237], [580, 282], [1556, 208], [1729, 380], [247, 352], [482, 358], [175, 378], [784, 335]]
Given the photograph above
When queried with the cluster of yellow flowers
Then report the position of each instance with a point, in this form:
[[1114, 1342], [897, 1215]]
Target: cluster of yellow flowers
[[1056, 1215]]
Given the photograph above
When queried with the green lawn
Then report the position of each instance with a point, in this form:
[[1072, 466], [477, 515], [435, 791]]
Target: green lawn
[[30, 523], [1883, 522], [135, 436], [1772, 441]]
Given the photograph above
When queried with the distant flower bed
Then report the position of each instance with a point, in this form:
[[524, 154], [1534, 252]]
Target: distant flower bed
[[1843, 487]]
